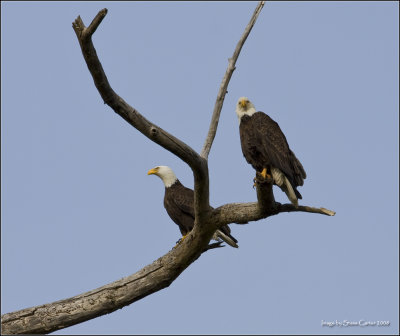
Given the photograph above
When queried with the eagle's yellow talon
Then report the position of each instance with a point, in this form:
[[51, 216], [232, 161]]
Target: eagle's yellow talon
[[181, 240], [265, 174]]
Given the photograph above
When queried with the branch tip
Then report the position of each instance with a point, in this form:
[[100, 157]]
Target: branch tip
[[78, 24], [96, 21], [304, 208], [328, 212]]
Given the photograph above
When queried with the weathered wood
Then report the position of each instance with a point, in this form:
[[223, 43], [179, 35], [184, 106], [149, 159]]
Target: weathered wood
[[106, 299], [133, 117], [266, 206]]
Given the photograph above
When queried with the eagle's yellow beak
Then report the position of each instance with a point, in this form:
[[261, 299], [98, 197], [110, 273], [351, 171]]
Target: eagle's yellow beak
[[243, 103], [152, 171]]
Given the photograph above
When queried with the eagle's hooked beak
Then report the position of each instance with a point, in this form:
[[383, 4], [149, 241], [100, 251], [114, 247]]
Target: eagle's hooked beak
[[243, 103], [152, 171]]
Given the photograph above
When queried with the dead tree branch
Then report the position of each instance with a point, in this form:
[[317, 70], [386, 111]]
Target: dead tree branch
[[243, 213], [106, 299], [225, 82], [133, 117]]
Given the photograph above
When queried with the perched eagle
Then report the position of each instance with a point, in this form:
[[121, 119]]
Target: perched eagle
[[179, 203], [265, 147]]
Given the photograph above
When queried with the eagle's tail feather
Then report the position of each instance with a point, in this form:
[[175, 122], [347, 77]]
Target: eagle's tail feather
[[297, 193], [291, 194], [299, 172], [227, 239], [282, 181]]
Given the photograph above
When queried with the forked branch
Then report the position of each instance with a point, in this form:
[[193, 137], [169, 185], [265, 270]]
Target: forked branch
[[133, 117]]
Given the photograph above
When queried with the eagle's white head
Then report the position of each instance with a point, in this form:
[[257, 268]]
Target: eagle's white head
[[244, 107], [165, 173]]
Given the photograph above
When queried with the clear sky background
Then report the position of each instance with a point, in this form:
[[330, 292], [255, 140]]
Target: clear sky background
[[79, 211]]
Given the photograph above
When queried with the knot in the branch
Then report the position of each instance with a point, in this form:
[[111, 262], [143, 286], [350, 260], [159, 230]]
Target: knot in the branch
[[153, 131]]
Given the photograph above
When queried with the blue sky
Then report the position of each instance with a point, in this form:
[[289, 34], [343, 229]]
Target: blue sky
[[78, 210]]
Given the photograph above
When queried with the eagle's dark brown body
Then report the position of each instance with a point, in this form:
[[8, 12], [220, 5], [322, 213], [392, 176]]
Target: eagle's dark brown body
[[264, 146], [179, 203]]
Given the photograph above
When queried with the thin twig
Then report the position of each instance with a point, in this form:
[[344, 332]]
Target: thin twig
[[304, 208], [96, 21], [225, 82]]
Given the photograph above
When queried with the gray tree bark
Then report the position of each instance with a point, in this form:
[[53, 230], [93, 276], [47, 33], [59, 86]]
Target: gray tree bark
[[163, 271]]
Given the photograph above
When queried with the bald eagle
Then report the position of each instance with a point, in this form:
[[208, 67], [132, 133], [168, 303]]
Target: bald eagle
[[265, 147], [179, 203]]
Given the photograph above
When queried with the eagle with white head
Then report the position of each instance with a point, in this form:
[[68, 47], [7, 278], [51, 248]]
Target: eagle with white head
[[265, 147], [179, 203]]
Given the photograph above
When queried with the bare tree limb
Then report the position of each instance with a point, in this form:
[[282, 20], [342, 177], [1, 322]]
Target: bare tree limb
[[133, 117], [266, 206], [304, 208], [225, 82], [243, 213], [106, 299]]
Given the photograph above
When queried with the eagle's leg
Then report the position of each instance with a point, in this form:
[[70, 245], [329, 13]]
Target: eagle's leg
[[265, 174], [181, 240]]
